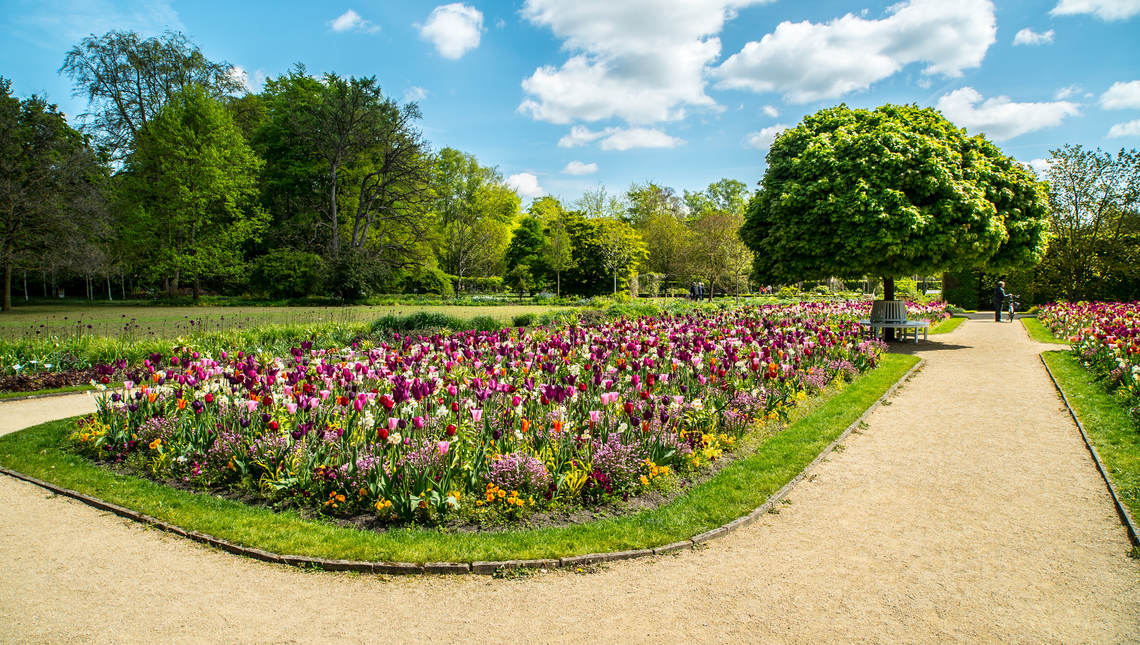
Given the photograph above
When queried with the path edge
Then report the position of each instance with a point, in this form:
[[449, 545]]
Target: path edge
[[1121, 510], [481, 567]]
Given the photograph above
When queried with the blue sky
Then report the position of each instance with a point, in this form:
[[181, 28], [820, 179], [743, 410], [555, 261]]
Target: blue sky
[[564, 95]]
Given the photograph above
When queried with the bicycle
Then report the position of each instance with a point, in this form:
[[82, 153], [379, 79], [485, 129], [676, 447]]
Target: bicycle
[[1012, 305]]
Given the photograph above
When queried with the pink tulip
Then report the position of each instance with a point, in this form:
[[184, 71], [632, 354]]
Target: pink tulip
[[477, 415]]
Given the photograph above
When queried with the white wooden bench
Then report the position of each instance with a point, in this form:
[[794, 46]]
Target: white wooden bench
[[891, 314]]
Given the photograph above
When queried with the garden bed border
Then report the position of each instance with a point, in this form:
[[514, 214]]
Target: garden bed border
[[1121, 510], [490, 567]]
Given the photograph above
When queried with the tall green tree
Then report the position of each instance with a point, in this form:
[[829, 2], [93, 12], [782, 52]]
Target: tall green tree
[[716, 253], [620, 247], [723, 196], [50, 185], [475, 209], [526, 246], [1094, 215], [127, 79], [887, 192], [193, 189], [558, 250]]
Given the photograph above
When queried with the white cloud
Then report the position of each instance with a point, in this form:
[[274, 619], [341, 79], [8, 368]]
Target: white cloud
[[999, 117], [1029, 37], [1126, 129], [579, 168], [642, 61], [415, 93], [770, 110], [454, 29], [238, 73], [1121, 96], [808, 61], [763, 139], [1040, 166], [619, 138], [526, 185], [630, 138], [351, 21], [1103, 9], [1067, 92]]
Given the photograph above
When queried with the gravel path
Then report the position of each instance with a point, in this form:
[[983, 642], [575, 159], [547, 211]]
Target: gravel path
[[968, 510]]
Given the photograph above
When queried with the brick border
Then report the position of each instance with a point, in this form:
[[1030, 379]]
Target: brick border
[[478, 567], [1121, 510]]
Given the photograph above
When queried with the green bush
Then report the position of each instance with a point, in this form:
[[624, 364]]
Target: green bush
[[484, 323], [790, 291], [524, 320], [428, 281], [285, 273]]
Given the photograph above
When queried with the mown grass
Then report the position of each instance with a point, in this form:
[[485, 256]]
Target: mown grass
[[6, 396], [41, 321], [1107, 424], [947, 326], [1040, 332], [737, 489]]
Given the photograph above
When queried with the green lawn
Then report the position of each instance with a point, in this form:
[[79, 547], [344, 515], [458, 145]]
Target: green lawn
[[141, 321], [947, 326], [1040, 332], [734, 491], [1107, 424]]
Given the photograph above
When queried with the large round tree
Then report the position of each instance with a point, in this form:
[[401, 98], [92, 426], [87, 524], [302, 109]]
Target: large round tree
[[888, 192]]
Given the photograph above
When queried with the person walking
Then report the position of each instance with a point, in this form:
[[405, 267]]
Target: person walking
[[999, 299]]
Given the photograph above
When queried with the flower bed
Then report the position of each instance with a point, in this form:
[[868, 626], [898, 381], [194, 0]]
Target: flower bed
[[482, 427], [1105, 337]]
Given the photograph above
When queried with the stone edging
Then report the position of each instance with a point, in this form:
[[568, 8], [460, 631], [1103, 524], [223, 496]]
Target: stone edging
[[480, 567], [1121, 510]]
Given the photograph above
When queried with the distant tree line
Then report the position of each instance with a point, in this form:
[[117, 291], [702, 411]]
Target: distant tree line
[[316, 185]]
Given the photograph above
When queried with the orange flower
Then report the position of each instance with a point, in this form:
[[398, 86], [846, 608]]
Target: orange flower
[[525, 424], [181, 404]]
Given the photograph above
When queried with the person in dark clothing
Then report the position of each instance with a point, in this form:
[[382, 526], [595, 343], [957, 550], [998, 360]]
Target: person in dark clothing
[[999, 299]]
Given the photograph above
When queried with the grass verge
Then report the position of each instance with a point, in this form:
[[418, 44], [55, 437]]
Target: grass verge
[[1040, 332], [1107, 424], [735, 491], [947, 326], [67, 389]]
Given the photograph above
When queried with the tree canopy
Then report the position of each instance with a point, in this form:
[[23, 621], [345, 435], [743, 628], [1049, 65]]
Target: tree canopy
[[890, 191]]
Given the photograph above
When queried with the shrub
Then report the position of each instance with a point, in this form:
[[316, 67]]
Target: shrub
[[523, 320], [285, 273], [428, 280]]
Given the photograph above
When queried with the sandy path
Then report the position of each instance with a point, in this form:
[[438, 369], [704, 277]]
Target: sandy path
[[968, 510]]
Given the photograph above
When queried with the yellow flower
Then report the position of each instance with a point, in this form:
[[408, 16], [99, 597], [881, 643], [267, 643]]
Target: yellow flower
[[158, 442]]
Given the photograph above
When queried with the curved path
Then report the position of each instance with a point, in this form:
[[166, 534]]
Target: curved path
[[968, 510]]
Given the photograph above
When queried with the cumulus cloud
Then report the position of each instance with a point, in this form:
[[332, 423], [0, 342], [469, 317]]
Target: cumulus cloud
[[1121, 96], [808, 61], [351, 21], [770, 110], [999, 117], [1103, 9], [238, 73], [454, 29], [763, 139], [579, 168], [641, 61], [1126, 129], [1067, 92], [415, 93], [1040, 166], [1029, 37], [619, 138], [526, 185]]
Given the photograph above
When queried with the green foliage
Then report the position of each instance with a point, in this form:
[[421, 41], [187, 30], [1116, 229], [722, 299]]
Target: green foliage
[[285, 273], [192, 187], [428, 280], [524, 320], [520, 279], [893, 191], [474, 208]]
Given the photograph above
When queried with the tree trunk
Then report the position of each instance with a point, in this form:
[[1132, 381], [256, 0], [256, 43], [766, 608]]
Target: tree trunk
[[197, 288], [109, 297], [558, 284], [335, 242], [25, 285], [888, 294], [7, 304]]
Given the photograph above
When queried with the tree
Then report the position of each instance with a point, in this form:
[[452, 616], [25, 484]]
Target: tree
[[49, 184], [599, 203], [127, 79], [1094, 215], [526, 247], [716, 252], [193, 188], [474, 207], [520, 279], [724, 196], [886, 192], [649, 201], [620, 247], [558, 251]]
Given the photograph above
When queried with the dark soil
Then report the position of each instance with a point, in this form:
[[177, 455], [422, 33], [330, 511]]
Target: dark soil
[[46, 380]]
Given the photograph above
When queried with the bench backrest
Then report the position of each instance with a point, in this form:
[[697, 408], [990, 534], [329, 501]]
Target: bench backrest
[[890, 311]]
